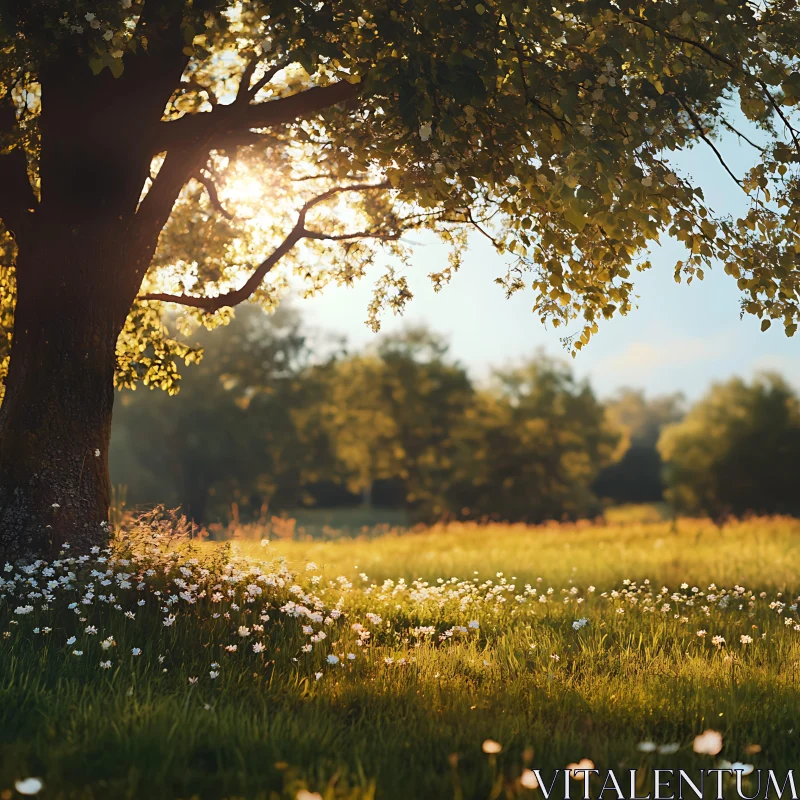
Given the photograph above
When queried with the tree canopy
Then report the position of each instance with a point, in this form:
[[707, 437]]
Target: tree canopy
[[736, 450], [266, 420], [304, 138]]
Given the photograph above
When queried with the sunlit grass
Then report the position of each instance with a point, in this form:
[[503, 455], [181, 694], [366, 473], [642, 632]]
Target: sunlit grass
[[760, 551], [439, 665]]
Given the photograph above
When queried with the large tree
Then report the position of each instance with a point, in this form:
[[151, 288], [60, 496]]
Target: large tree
[[199, 152]]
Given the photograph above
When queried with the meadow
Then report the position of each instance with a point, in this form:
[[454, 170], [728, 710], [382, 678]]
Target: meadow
[[440, 663]]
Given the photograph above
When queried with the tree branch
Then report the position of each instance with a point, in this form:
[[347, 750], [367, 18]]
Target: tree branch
[[475, 224], [213, 195], [733, 65], [298, 232], [699, 127], [225, 123], [520, 58], [779, 112], [388, 236], [693, 42], [188, 140], [193, 83], [243, 91], [320, 177], [738, 133], [267, 77], [232, 298], [177, 169]]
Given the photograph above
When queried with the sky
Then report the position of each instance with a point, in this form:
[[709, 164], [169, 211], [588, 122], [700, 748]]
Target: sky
[[679, 339]]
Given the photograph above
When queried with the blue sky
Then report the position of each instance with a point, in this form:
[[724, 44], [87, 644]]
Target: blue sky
[[680, 338]]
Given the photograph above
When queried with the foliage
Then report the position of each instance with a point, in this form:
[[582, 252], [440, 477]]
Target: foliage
[[360, 426], [234, 436], [637, 476], [548, 127], [7, 295], [400, 424], [397, 415], [736, 450], [423, 685], [537, 441]]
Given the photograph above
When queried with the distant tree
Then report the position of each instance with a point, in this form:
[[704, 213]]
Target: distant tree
[[637, 477], [355, 414], [538, 440], [392, 415], [397, 425], [180, 151], [736, 450], [232, 436], [429, 395]]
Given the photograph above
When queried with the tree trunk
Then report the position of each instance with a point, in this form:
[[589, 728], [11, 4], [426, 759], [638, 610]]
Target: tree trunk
[[366, 495], [55, 419], [84, 245]]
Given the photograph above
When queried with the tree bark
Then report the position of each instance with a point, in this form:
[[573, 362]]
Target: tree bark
[[55, 419], [83, 247]]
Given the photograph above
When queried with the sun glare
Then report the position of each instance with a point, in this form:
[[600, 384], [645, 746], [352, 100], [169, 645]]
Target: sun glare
[[245, 191]]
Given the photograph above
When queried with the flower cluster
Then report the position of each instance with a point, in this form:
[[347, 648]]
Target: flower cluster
[[149, 593]]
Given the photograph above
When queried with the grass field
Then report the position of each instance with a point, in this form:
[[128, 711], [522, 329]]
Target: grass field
[[377, 667]]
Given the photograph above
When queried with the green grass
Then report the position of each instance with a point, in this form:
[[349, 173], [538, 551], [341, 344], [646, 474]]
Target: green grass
[[267, 727]]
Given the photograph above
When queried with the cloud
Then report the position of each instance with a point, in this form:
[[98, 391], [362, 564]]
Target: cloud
[[641, 358]]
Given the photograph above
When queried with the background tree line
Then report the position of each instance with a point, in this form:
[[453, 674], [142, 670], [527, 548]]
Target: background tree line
[[276, 420]]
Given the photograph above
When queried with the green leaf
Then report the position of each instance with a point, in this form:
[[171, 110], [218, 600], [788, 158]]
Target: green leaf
[[575, 218], [116, 66]]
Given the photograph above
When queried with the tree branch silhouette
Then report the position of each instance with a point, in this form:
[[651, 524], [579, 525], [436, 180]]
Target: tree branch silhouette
[[297, 234]]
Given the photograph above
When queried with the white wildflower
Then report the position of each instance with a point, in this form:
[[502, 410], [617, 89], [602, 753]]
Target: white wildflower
[[29, 786], [708, 743], [528, 779]]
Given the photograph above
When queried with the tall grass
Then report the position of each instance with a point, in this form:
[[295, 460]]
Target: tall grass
[[458, 634]]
